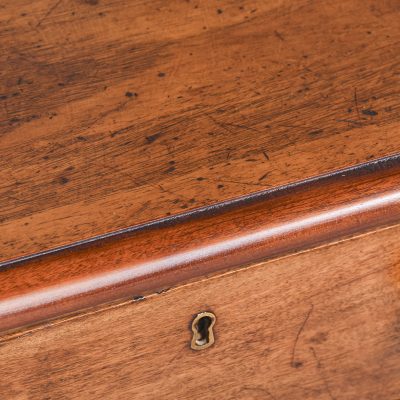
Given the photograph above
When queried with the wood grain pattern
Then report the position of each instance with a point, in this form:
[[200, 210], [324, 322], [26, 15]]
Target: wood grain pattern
[[320, 325], [157, 257], [116, 112]]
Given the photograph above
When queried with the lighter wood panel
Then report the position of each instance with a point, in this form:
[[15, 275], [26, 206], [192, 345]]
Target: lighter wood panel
[[323, 324], [114, 113]]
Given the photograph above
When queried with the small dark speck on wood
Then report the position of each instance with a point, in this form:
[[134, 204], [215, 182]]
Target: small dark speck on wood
[[153, 138], [370, 112], [316, 132], [161, 74], [64, 180], [279, 36]]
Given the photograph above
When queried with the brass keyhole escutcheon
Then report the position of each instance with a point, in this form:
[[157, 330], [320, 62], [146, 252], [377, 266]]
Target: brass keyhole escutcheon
[[202, 327]]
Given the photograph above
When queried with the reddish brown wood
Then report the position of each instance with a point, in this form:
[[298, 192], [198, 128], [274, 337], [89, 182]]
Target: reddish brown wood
[[156, 257], [316, 325], [259, 94]]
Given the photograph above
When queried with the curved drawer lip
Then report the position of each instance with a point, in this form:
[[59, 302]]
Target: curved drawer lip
[[167, 252]]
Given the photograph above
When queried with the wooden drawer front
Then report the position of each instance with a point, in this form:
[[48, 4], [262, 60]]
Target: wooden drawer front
[[323, 324]]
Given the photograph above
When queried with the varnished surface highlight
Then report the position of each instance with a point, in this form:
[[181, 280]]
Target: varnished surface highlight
[[135, 263], [320, 325], [114, 113]]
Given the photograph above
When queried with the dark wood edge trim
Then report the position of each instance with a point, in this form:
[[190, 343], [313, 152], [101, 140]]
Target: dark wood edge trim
[[151, 257], [199, 212]]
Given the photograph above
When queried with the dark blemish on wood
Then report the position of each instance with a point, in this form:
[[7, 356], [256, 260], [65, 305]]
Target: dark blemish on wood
[[176, 201], [192, 201], [297, 364], [23, 14], [138, 298], [163, 290], [349, 110], [45, 157], [370, 112], [61, 84], [91, 2], [170, 169], [161, 74], [220, 186], [102, 14], [263, 177], [70, 168], [14, 120], [184, 206], [266, 155], [81, 138], [316, 132], [131, 94], [319, 338], [172, 162], [200, 179], [153, 138], [64, 180], [3, 97], [279, 36], [219, 11]]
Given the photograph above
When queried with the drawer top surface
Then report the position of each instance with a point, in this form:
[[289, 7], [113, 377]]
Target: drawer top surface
[[116, 113]]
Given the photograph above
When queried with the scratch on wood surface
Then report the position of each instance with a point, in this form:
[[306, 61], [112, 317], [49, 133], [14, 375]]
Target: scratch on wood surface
[[356, 103], [324, 380], [48, 13], [259, 389], [296, 364]]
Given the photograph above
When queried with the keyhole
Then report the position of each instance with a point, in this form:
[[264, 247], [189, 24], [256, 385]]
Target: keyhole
[[202, 327]]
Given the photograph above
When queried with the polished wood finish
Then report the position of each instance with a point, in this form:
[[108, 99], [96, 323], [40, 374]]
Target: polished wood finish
[[156, 257], [318, 325], [115, 113]]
